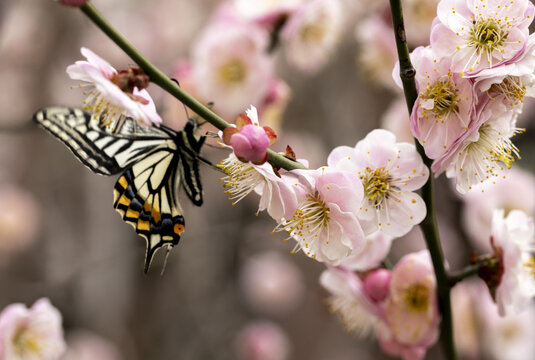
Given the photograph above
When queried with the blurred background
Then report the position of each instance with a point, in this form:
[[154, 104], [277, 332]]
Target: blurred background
[[231, 289]]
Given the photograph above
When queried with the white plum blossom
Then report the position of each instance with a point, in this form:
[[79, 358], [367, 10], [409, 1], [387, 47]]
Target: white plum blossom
[[481, 34], [513, 238], [277, 195], [445, 103], [230, 66], [482, 154], [515, 191], [31, 334], [325, 224], [512, 81], [106, 99], [312, 33], [349, 300], [375, 250], [389, 172]]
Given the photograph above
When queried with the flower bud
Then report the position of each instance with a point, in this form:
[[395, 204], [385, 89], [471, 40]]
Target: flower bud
[[377, 284], [250, 144]]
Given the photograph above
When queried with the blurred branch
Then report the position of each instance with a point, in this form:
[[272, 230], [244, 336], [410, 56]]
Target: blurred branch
[[468, 271], [160, 79], [428, 225]]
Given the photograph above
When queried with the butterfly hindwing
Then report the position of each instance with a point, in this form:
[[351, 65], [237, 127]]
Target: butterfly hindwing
[[155, 163]]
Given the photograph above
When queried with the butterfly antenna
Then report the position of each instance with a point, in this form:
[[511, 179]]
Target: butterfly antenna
[[209, 163], [185, 107]]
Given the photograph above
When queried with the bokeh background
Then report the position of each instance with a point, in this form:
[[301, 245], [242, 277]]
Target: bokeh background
[[60, 237]]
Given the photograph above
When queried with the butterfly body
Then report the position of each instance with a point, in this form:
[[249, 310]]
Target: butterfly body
[[155, 163]]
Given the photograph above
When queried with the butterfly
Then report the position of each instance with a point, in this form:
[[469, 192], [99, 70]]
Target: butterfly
[[155, 163]]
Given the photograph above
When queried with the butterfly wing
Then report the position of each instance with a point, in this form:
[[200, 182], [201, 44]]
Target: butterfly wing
[[146, 198], [155, 162], [104, 151]]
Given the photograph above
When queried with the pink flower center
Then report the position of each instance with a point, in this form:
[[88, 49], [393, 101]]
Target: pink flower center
[[512, 88], [25, 342], [444, 96], [376, 184], [232, 72], [486, 35]]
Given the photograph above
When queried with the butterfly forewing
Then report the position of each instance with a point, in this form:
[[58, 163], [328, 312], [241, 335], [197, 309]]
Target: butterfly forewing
[[155, 162]]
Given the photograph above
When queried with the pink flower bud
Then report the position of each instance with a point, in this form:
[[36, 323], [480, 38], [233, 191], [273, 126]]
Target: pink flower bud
[[377, 284], [250, 144], [73, 3]]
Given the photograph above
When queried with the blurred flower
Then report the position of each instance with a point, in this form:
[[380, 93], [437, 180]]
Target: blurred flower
[[396, 120], [248, 140], [418, 15], [389, 172], [411, 311], [19, 219], [513, 239], [114, 94], [262, 340], [478, 37], [482, 153], [34, 333], [271, 283], [230, 66], [445, 103], [480, 202], [378, 53], [265, 11], [272, 108], [325, 224], [312, 33], [506, 338], [276, 193], [83, 345], [350, 301], [73, 3], [465, 301]]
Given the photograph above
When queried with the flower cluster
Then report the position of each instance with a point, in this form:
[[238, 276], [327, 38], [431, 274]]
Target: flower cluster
[[471, 83], [399, 306]]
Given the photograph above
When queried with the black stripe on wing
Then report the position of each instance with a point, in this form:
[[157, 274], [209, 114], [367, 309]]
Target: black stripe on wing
[[189, 145], [103, 150]]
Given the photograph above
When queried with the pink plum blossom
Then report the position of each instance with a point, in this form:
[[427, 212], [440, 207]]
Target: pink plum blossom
[[312, 33], [277, 195], [513, 238], [445, 104], [271, 283], [389, 173], [230, 66], [480, 34], [482, 154], [262, 340], [107, 99], [411, 311], [515, 191], [248, 140], [325, 224], [34, 333]]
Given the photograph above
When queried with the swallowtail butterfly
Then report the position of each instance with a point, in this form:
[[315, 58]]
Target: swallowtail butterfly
[[154, 162]]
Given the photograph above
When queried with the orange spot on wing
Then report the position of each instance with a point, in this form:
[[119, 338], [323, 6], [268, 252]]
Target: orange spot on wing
[[178, 228]]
